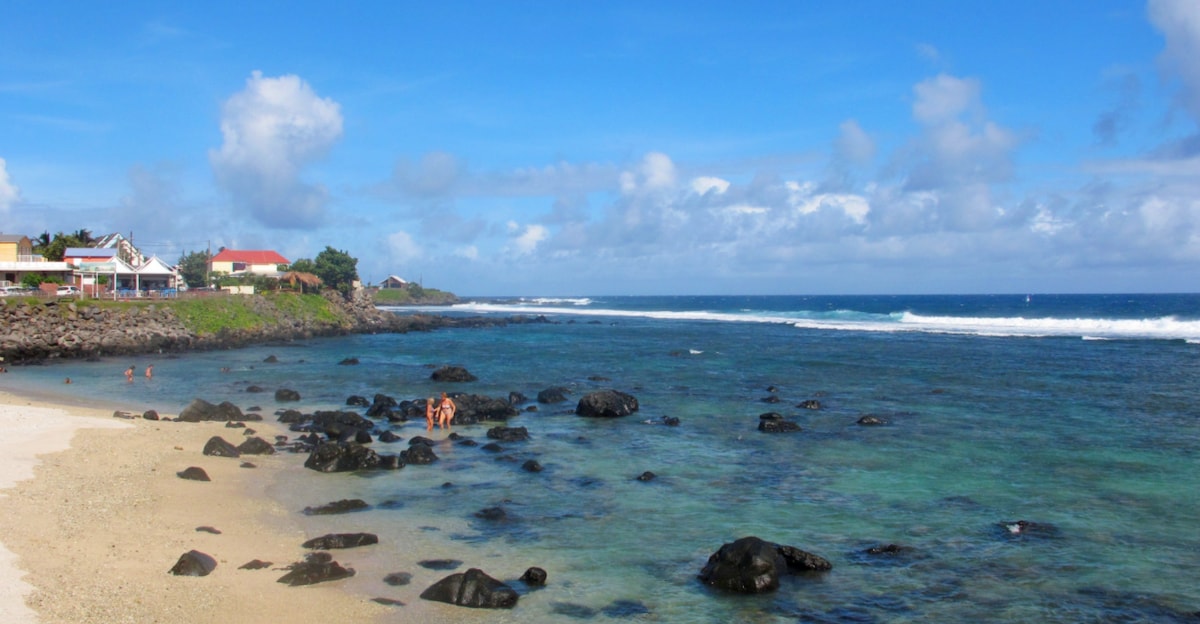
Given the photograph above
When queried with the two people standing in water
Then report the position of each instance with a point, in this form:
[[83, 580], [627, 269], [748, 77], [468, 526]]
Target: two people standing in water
[[443, 411], [129, 373]]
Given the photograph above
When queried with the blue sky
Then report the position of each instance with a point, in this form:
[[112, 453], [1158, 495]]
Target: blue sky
[[570, 148]]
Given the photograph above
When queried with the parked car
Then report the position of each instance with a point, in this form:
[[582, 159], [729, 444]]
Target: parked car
[[16, 291], [67, 291]]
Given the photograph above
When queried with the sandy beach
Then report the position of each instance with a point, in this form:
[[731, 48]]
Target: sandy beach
[[93, 515]]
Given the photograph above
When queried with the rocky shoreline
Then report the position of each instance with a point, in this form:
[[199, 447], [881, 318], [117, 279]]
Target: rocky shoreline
[[31, 332]]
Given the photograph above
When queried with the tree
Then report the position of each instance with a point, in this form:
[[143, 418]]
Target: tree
[[57, 248], [193, 268], [304, 265], [41, 242], [336, 268]]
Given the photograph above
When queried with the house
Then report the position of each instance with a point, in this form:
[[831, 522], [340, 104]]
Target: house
[[394, 281], [77, 256], [242, 262], [99, 270], [16, 248], [17, 260], [124, 248]]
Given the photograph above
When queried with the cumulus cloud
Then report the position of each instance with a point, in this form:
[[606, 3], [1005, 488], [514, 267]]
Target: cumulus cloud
[[949, 171], [272, 130], [9, 192], [656, 172], [853, 144], [524, 240], [1179, 21], [944, 98], [401, 247], [441, 175], [705, 184]]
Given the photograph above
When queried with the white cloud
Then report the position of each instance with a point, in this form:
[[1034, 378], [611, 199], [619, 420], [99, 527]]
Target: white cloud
[[272, 130], [443, 175], [943, 98], [402, 248], [527, 240], [10, 194], [853, 144], [656, 172], [1179, 20], [805, 201], [705, 184], [470, 252]]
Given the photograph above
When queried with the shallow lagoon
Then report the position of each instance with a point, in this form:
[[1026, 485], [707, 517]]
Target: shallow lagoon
[[1095, 437]]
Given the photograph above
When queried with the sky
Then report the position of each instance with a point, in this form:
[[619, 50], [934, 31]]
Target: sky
[[549, 148]]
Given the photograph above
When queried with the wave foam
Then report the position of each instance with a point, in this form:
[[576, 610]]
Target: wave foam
[[1163, 328]]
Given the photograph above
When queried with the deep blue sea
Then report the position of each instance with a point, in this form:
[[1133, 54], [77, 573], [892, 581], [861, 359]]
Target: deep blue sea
[[1079, 413]]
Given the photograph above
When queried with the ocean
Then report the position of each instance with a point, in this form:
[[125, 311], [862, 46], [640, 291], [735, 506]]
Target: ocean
[[1076, 413]]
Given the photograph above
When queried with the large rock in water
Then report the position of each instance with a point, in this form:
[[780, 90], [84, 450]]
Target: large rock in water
[[751, 565], [452, 374], [201, 410], [472, 588], [606, 404], [475, 408], [341, 457]]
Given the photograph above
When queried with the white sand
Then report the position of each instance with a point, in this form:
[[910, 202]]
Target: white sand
[[29, 432], [99, 524]]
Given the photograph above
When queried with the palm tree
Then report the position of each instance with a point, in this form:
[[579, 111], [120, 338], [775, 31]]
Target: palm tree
[[84, 237], [41, 242]]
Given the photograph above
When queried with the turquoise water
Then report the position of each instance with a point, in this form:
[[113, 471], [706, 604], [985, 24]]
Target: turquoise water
[[1073, 411]]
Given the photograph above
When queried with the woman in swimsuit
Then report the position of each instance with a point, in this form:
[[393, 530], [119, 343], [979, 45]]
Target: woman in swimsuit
[[429, 414], [446, 410]]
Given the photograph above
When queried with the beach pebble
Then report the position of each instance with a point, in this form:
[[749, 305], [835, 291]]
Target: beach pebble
[[193, 473], [194, 563], [396, 579], [534, 576]]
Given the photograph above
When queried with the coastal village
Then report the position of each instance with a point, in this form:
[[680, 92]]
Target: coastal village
[[112, 266]]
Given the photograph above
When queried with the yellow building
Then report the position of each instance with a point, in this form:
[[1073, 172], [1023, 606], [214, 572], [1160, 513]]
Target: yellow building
[[16, 248]]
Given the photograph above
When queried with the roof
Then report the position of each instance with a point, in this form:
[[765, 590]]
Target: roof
[[251, 257], [108, 240], [11, 238], [88, 252], [155, 266]]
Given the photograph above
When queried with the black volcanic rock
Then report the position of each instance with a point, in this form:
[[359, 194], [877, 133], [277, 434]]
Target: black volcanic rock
[[474, 589], [606, 404]]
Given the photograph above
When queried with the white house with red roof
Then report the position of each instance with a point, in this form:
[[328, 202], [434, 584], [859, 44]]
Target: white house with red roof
[[241, 262]]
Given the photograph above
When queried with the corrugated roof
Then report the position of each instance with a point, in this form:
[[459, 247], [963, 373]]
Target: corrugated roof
[[88, 252], [258, 256]]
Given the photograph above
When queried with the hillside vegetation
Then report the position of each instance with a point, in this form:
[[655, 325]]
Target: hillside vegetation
[[413, 295]]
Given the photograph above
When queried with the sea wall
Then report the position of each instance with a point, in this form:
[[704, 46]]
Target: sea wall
[[32, 330]]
